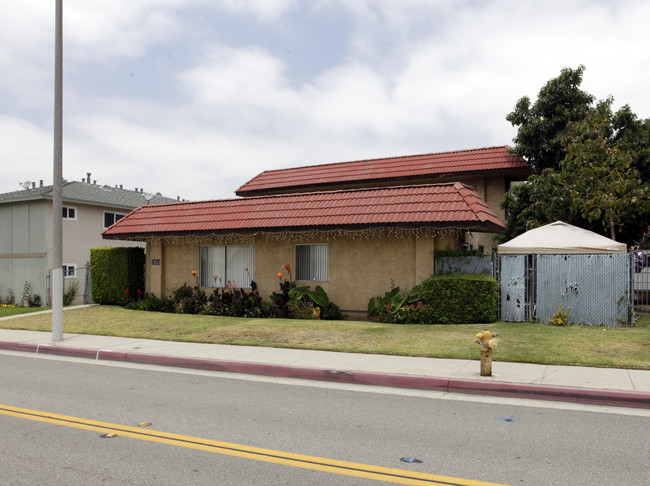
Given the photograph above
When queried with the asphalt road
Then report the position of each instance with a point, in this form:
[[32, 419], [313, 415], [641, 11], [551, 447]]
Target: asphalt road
[[496, 440]]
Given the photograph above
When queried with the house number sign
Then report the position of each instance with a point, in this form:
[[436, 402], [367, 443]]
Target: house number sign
[[155, 261]]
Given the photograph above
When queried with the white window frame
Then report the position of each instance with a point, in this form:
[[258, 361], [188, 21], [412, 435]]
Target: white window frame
[[316, 261], [234, 265], [70, 270], [115, 218], [66, 216]]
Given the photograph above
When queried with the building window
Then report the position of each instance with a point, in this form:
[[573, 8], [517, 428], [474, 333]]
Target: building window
[[222, 266], [70, 270], [111, 218], [312, 262], [69, 213]]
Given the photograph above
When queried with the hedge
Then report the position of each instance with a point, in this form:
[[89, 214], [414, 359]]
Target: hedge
[[115, 273]]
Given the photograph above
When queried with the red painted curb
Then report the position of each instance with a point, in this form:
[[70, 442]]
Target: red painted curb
[[617, 398], [11, 346], [513, 390], [66, 351], [557, 393]]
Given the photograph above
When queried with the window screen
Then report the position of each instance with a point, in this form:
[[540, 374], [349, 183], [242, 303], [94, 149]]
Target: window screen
[[312, 262], [220, 264]]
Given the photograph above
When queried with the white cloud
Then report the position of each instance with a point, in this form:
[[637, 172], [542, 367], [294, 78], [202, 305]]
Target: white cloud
[[263, 10], [26, 151], [237, 78], [119, 28], [414, 76]]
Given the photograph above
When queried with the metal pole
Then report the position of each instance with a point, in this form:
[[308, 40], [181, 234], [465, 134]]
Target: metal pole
[[57, 206]]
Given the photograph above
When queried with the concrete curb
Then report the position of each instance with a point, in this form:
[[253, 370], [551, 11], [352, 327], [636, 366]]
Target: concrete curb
[[592, 396]]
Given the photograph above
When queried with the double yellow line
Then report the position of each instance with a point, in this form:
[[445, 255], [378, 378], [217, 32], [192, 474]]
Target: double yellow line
[[397, 476]]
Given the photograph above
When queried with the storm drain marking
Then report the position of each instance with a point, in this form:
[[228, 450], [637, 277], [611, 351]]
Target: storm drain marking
[[379, 473]]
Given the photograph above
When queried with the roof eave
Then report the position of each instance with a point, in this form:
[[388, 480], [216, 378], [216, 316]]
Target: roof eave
[[483, 226], [509, 172]]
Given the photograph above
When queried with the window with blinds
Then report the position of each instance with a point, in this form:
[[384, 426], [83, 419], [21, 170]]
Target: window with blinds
[[312, 262], [226, 266]]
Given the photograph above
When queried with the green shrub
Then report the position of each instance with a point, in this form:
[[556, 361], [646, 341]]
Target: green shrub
[[398, 308], [458, 299], [315, 299], [331, 312], [71, 292], [415, 313], [236, 302], [291, 301], [117, 274], [561, 317], [11, 297], [151, 303], [303, 309], [28, 299]]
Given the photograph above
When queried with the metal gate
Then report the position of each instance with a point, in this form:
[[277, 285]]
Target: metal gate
[[640, 279], [517, 284], [596, 287]]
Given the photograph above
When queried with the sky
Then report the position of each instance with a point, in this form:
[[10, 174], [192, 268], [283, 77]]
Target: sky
[[193, 98]]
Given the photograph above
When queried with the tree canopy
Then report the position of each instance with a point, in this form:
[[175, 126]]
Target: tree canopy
[[590, 167]]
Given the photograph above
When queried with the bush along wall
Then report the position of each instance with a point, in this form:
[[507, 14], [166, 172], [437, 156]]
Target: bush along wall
[[291, 302], [459, 299], [440, 299], [116, 274]]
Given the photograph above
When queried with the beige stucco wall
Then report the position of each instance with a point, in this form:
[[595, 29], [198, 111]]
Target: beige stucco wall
[[86, 232], [358, 268]]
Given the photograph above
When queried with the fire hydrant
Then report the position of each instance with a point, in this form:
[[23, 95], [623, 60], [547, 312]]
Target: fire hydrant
[[487, 344]]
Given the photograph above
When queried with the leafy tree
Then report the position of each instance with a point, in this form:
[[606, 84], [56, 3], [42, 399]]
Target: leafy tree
[[591, 167], [597, 182], [543, 124]]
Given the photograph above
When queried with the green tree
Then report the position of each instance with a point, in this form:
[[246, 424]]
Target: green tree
[[590, 167], [543, 124], [597, 183]]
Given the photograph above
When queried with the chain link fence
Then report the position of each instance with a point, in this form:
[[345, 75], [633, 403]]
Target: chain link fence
[[76, 285], [600, 289], [477, 265], [640, 267]]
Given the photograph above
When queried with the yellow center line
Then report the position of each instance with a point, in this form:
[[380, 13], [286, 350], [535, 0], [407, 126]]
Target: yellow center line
[[397, 476]]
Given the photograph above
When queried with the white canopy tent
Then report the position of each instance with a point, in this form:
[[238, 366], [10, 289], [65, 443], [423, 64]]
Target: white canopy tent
[[560, 238]]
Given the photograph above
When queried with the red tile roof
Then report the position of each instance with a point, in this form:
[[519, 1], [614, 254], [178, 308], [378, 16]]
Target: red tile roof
[[433, 205], [465, 162]]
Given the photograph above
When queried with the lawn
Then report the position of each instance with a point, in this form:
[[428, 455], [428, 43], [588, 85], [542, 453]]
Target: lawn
[[624, 347], [12, 311]]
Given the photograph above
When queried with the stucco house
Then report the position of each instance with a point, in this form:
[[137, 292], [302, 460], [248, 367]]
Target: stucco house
[[355, 243], [26, 231], [490, 171]]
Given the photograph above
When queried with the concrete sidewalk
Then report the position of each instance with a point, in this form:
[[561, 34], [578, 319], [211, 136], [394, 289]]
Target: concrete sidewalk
[[604, 386]]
